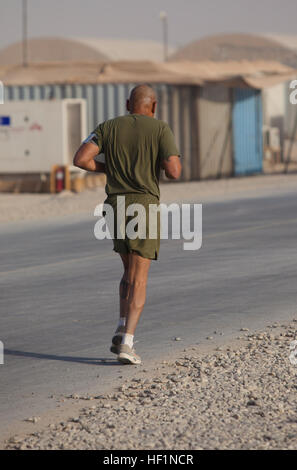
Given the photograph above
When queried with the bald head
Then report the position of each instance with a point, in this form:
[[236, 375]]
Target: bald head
[[142, 100]]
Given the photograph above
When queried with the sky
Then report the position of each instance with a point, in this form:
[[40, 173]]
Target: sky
[[139, 19]]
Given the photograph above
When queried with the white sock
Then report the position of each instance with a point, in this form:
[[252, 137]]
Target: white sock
[[122, 322], [128, 339]]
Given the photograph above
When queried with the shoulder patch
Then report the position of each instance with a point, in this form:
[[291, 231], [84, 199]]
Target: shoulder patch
[[91, 138]]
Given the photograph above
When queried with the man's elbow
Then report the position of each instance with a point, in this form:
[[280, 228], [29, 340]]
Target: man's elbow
[[172, 176], [177, 174], [77, 160], [174, 173]]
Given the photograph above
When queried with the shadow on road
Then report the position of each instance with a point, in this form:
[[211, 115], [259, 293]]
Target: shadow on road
[[102, 361]]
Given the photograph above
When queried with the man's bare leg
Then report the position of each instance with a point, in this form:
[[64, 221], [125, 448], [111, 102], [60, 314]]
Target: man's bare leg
[[136, 292], [123, 291], [124, 288]]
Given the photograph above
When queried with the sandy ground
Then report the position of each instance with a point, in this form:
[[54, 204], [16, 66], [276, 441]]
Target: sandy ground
[[240, 395], [18, 207]]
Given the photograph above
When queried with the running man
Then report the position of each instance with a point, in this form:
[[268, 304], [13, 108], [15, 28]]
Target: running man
[[136, 147]]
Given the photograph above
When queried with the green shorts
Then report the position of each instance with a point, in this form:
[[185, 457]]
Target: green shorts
[[139, 231]]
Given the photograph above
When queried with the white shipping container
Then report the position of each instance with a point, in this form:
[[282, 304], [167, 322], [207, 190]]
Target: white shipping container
[[35, 135]]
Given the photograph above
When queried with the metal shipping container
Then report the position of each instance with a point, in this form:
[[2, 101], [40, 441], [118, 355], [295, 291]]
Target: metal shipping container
[[214, 132], [175, 106], [201, 118], [34, 137], [105, 101], [247, 131]]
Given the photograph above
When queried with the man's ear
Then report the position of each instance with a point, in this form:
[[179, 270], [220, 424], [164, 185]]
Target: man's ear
[[128, 105], [154, 106]]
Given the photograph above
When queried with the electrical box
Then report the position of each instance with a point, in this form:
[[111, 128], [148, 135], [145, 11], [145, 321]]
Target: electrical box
[[35, 135]]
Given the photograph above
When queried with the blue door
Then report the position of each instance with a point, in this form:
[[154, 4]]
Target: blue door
[[247, 131]]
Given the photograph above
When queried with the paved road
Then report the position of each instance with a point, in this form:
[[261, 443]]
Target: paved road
[[58, 304]]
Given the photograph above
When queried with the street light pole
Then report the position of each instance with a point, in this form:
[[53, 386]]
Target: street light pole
[[164, 19], [25, 33]]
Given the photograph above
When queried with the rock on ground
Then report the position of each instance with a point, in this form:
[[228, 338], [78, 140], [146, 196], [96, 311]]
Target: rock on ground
[[237, 397]]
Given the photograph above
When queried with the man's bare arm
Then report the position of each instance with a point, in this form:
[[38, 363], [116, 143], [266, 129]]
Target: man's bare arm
[[172, 167], [85, 158]]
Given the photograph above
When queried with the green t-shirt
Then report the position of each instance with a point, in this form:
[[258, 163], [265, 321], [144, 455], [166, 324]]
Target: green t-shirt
[[134, 147]]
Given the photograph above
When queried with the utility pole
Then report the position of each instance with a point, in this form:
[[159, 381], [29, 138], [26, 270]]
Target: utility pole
[[164, 19], [25, 33]]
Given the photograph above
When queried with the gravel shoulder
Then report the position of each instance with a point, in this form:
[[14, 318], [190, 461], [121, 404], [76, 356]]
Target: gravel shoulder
[[19, 207], [237, 395]]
